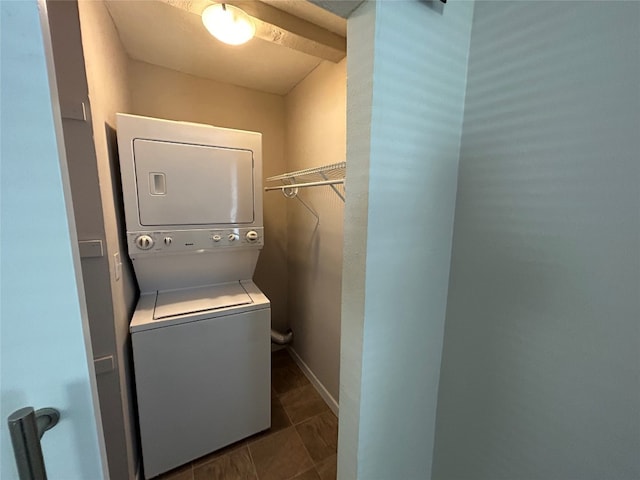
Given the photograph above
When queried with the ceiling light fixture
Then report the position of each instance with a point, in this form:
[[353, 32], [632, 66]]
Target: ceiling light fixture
[[228, 24]]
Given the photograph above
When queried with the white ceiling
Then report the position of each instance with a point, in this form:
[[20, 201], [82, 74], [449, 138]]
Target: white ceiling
[[161, 34]]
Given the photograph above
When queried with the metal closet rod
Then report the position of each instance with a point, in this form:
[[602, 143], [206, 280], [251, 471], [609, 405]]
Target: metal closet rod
[[306, 184]]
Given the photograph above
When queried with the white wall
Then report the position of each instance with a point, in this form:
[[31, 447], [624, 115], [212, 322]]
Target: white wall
[[360, 32], [106, 65], [419, 57], [316, 135], [540, 370], [164, 93]]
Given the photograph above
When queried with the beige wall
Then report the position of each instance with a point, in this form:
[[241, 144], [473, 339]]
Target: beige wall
[[304, 285], [106, 69], [315, 136], [163, 93]]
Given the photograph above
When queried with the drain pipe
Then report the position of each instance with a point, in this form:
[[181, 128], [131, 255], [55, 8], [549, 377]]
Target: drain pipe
[[281, 338]]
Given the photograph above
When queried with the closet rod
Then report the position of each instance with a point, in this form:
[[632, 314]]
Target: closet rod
[[307, 184]]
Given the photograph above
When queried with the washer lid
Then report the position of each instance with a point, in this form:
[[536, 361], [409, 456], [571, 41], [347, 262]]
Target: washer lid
[[211, 297]]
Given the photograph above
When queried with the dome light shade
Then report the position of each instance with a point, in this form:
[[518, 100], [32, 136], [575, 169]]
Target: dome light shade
[[228, 24]]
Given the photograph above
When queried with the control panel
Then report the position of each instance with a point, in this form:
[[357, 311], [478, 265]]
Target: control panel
[[193, 240]]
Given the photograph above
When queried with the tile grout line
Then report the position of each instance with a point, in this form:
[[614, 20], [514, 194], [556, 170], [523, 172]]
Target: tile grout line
[[295, 425], [285, 410], [313, 463], [308, 418], [253, 463]]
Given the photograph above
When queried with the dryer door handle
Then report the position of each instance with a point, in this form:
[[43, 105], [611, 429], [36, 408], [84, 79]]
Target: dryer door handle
[[157, 183]]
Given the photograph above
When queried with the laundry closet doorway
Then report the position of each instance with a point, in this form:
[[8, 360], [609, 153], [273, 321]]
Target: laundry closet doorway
[[296, 100]]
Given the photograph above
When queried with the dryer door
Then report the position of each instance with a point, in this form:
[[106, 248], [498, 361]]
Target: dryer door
[[184, 184]]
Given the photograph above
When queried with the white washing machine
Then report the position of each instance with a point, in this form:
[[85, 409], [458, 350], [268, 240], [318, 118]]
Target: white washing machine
[[201, 329]]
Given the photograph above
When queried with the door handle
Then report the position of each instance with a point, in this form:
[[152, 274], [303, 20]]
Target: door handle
[[26, 427]]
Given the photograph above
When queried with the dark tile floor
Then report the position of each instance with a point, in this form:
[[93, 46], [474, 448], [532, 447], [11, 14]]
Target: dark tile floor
[[300, 445]]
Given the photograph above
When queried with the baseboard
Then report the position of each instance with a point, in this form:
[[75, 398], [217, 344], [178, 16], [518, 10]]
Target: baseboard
[[324, 393]]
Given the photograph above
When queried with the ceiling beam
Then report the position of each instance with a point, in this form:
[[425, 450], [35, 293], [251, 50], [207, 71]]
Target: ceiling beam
[[342, 8], [282, 28]]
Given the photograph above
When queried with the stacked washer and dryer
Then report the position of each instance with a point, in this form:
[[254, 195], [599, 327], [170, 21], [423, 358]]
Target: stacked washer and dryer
[[201, 330]]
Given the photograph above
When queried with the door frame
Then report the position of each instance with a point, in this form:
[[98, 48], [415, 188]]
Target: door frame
[[75, 250]]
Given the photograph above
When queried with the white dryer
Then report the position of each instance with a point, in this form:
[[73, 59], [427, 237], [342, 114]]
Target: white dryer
[[201, 329]]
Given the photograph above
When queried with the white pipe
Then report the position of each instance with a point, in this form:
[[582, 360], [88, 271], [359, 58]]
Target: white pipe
[[281, 338]]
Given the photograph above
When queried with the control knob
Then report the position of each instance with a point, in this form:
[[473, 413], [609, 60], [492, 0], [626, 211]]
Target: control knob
[[232, 237], [144, 242], [252, 236], [168, 241], [216, 237]]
